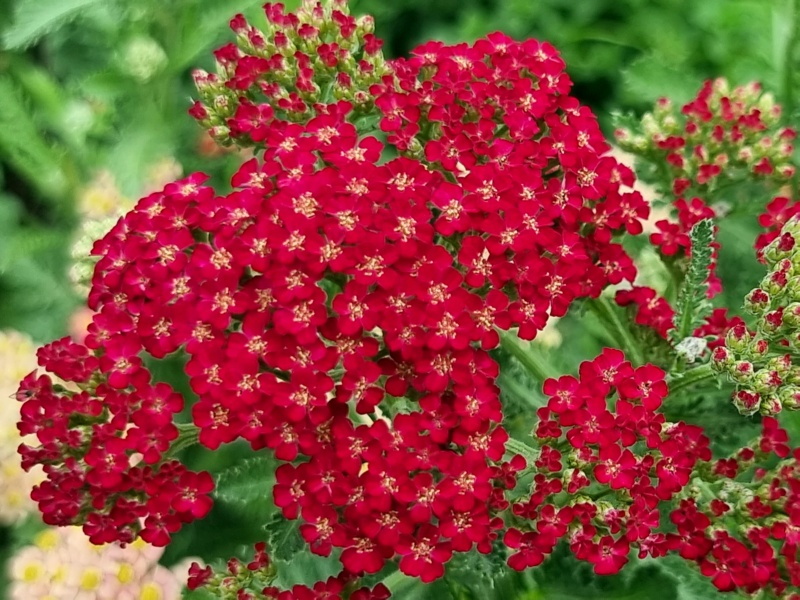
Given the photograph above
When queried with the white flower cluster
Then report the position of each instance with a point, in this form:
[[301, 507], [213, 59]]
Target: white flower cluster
[[63, 565], [17, 359]]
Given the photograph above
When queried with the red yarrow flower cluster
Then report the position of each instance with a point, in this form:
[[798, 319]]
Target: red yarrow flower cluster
[[604, 427], [721, 136], [316, 56], [331, 282], [103, 442], [756, 493]]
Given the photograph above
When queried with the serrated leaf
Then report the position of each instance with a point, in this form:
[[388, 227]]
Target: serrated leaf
[[693, 307], [247, 487], [35, 18], [283, 538], [691, 584], [473, 575]]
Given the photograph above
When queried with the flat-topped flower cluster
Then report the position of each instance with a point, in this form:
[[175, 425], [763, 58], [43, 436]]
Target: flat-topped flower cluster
[[337, 309]]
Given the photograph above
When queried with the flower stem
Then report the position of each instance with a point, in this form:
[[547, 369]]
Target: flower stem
[[529, 360], [188, 435], [692, 377], [619, 331]]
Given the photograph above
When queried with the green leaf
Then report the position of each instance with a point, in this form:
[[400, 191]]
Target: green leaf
[[283, 538], [691, 584], [474, 575], [563, 577], [652, 77], [693, 307], [22, 146], [246, 488], [35, 18], [202, 23]]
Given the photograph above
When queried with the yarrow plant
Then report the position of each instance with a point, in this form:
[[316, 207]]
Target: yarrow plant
[[350, 307]]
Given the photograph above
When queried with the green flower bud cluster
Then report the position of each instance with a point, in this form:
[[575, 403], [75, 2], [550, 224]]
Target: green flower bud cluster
[[765, 363], [317, 56]]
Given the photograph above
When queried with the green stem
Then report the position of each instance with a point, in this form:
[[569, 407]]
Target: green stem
[[695, 376], [619, 331], [529, 360], [188, 435], [399, 584]]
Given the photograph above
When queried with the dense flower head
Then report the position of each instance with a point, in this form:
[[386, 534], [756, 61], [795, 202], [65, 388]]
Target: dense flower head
[[338, 308], [103, 447], [755, 493], [722, 133], [332, 281], [604, 428], [302, 62], [721, 137]]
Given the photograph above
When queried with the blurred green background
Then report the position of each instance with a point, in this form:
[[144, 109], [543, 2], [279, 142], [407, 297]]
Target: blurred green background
[[93, 101]]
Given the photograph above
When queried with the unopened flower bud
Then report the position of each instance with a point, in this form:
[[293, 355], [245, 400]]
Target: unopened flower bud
[[722, 359], [770, 406], [742, 371], [747, 403], [650, 127], [757, 350], [745, 154], [789, 396], [772, 321], [780, 248], [766, 381], [738, 338], [757, 301], [221, 134], [774, 283], [791, 315], [365, 24]]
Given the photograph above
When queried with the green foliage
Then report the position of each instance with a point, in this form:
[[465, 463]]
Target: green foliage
[[30, 154], [201, 21], [474, 576], [245, 488], [693, 307], [642, 579], [283, 538], [35, 18]]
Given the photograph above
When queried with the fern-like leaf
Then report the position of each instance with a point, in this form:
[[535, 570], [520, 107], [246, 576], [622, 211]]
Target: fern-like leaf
[[693, 307]]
